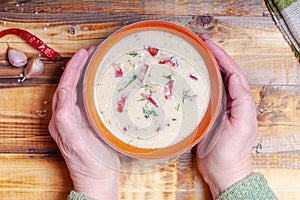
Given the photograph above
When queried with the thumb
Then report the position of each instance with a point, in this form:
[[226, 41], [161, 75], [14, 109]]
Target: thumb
[[242, 105], [64, 113], [55, 126], [236, 86], [61, 96]]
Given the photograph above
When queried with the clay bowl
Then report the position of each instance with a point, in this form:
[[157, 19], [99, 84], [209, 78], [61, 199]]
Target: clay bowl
[[91, 101]]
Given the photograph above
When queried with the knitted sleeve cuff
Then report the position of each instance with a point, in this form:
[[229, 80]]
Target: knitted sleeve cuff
[[78, 196], [252, 187]]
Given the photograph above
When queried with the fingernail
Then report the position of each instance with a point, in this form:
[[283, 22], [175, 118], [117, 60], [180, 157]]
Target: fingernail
[[236, 79], [203, 36], [61, 96], [205, 178], [91, 50]]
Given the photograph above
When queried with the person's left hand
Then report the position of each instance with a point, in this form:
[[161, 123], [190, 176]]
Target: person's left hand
[[90, 176]]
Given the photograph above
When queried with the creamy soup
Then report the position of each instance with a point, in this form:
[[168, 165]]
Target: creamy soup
[[152, 89]]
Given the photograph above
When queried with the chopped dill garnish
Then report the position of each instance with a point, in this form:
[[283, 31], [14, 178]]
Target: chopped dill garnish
[[133, 54], [142, 99], [185, 94], [149, 88], [177, 107], [169, 77], [133, 78], [147, 113], [151, 91]]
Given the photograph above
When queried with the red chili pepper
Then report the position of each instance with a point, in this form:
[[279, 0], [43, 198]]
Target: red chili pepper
[[152, 50], [121, 104], [169, 89], [193, 77], [171, 61], [150, 98], [160, 128], [118, 71], [143, 72], [33, 41]]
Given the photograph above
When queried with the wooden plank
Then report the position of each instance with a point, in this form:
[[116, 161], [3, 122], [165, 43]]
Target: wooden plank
[[278, 121], [278, 138], [91, 26], [178, 179], [277, 105], [169, 7], [10, 76], [44, 176], [276, 160], [24, 116], [284, 182], [33, 177], [32, 104]]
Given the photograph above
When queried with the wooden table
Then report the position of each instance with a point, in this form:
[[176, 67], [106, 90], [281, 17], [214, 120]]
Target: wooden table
[[31, 166]]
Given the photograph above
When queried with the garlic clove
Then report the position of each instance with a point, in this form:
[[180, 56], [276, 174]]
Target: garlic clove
[[33, 68], [16, 58]]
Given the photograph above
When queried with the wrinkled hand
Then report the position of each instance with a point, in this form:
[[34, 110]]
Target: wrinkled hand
[[230, 159], [90, 176]]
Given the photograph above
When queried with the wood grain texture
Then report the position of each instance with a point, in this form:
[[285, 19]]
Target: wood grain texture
[[44, 176], [243, 28], [154, 7], [33, 176]]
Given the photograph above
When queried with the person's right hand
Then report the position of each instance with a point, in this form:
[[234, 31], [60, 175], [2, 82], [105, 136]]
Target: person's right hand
[[230, 159]]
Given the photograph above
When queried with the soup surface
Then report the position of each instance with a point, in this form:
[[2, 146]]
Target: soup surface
[[152, 89]]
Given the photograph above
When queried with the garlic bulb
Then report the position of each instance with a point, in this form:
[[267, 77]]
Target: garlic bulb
[[33, 68], [16, 58]]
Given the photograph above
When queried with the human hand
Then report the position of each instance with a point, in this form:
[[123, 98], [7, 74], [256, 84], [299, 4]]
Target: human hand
[[90, 175], [230, 159]]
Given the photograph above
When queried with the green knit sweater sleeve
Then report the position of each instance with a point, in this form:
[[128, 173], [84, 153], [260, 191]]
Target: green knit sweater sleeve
[[253, 187], [78, 196]]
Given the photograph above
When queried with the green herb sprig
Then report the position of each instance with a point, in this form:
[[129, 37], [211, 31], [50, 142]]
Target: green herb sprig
[[133, 78]]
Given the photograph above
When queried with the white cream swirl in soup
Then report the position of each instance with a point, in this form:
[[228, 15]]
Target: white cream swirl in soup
[[152, 89]]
